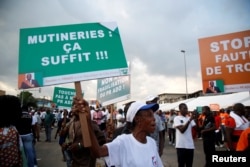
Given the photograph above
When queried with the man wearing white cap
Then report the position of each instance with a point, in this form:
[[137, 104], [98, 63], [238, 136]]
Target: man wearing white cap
[[135, 149]]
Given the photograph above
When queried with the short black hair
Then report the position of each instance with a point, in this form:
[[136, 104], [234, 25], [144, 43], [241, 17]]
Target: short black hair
[[239, 108], [181, 105]]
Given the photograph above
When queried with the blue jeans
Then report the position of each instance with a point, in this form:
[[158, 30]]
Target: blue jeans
[[29, 149], [68, 157], [48, 132]]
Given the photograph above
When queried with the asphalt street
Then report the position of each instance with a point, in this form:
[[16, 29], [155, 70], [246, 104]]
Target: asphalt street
[[49, 154]]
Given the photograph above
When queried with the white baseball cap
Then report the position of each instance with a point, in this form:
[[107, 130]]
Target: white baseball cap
[[151, 98], [136, 106]]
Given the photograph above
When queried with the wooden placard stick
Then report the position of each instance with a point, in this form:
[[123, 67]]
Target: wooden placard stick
[[83, 118]]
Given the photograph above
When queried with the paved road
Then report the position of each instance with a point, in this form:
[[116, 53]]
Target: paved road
[[49, 154]]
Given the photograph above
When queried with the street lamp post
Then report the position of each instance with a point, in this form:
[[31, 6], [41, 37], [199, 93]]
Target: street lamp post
[[183, 51]]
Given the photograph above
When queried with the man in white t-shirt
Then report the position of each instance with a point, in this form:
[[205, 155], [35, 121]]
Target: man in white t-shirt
[[171, 129], [42, 116], [184, 140], [92, 110], [104, 118], [158, 133], [35, 124], [120, 119]]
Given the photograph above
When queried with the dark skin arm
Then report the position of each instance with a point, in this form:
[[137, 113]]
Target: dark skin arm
[[59, 127], [80, 105], [161, 143], [183, 128], [209, 129]]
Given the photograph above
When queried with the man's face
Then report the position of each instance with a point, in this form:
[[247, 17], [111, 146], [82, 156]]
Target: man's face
[[28, 76], [184, 110], [147, 120], [211, 84]]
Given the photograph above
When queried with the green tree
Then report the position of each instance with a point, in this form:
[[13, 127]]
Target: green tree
[[27, 99]]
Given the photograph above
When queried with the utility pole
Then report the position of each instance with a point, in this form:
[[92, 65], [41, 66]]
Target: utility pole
[[183, 51]]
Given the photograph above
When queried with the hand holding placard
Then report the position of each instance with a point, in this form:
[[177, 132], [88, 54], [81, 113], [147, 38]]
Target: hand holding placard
[[82, 107]]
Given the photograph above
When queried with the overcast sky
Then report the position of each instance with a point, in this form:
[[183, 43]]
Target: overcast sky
[[153, 34]]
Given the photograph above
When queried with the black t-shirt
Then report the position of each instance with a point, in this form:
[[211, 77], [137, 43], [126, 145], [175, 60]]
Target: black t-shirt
[[208, 123], [24, 125]]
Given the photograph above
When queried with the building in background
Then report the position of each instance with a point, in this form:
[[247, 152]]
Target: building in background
[[2, 92], [175, 97]]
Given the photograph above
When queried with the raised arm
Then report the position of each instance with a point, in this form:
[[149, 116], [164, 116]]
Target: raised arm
[[184, 127], [80, 105]]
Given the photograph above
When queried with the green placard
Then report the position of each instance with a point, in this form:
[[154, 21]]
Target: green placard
[[63, 96], [113, 90], [69, 53]]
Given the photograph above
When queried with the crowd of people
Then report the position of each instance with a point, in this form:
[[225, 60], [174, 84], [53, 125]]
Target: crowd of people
[[20, 128], [227, 128], [140, 129]]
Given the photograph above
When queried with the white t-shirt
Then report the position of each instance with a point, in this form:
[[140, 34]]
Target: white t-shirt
[[171, 121], [159, 127], [43, 113], [126, 151], [108, 116], [184, 140], [92, 114], [39, 121], [105, 114], [56, 115], [34, 120]]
